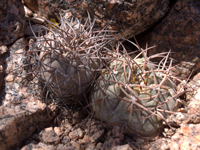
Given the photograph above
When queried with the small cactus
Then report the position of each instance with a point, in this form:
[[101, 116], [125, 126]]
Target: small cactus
[[135, 94], [67, 58]]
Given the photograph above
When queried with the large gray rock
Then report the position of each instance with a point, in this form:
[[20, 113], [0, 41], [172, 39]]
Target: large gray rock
[[178, 31], [12, 21], [19, 122], [31, 4], [21, 111], [127, 17]]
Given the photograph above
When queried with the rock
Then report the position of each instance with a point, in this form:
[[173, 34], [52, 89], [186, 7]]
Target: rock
[[67, 127], [39, 146], [97, 136], [123, 147], [31, 4], [90, 146], [76, 134], [66, 140], [129, 18], [14, 60], [187, 137], [84, 140], [75, 145], [28, 12], [19, 122], [12, 21], [110, 143], [33, 30], [58, 131], [194, 104], [3, 49], [61, 147], [9, 78], [177, 119], [1, 76], [117, 132], [183, 69], [99, 146], [178, 32], [161, 144], [49, 136], [78, 117], [21, 112]]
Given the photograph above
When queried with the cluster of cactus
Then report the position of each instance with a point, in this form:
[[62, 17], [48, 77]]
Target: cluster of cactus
[[133, 93]]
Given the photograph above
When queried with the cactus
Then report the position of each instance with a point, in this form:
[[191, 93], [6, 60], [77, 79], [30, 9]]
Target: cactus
[[135, 94], [68, 57]]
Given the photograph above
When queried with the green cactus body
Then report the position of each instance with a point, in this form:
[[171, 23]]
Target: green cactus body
[[126, 92], [69, 56], [65, 76]]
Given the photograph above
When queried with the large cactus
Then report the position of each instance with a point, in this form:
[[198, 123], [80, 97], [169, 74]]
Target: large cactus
[[68, 57], [134, 94]]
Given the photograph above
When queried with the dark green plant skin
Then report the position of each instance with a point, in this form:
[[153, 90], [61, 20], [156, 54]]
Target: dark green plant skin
[[134, 94]]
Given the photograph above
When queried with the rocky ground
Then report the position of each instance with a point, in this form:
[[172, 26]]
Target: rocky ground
[[29, 122]]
